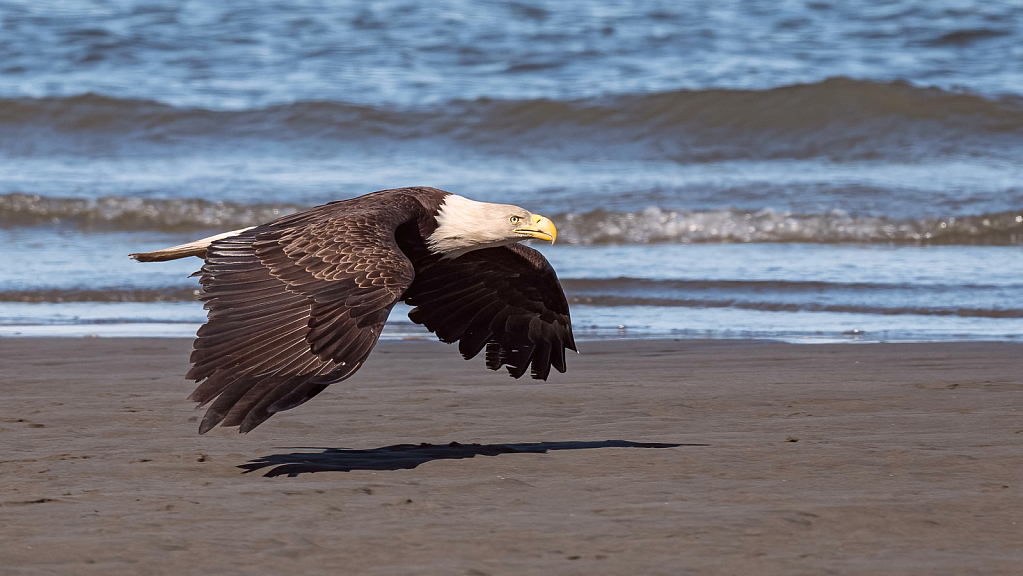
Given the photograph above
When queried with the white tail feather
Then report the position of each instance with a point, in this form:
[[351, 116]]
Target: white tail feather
[[197, 248]]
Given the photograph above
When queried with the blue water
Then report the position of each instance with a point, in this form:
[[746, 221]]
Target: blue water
[[806, 171], [259, 52], [795, 292]]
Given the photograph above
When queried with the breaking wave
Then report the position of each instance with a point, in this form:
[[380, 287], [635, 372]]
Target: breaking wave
[[651, 226], [656, 225], [838, 118], [119, 213]]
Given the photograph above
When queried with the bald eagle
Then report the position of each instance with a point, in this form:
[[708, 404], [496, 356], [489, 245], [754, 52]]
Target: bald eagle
[[298, 303]]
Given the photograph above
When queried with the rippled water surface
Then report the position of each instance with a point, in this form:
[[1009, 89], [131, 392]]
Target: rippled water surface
[[254, 53], [802, 170]]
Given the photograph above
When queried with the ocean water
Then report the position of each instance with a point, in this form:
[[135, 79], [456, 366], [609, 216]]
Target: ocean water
[[808, 171]]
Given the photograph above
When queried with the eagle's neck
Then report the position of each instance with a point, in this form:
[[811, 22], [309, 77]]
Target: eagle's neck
[[465, 225]]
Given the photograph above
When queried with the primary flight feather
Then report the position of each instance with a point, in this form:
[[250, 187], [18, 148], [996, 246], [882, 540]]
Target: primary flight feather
[[297, 304]]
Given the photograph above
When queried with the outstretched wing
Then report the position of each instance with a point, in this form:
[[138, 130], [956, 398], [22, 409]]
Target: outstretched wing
[[293, 307], [507, 299]]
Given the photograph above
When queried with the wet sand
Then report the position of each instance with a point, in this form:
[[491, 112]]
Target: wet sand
[[813, 459]]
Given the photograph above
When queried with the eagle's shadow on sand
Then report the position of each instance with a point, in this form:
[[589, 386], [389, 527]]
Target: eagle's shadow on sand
[[407, 456]]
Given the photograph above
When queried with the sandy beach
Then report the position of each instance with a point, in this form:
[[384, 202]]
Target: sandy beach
[[813, 459]]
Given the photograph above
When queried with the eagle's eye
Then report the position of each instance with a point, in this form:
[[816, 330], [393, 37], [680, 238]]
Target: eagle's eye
[[514, 219]]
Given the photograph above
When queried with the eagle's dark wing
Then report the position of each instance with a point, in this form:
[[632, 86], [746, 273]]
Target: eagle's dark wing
[[293, 307], [507, 299]]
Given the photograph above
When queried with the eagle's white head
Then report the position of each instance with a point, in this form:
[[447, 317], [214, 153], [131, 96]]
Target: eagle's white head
[[465, 225]]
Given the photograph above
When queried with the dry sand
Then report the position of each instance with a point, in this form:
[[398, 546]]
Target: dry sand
[[823, 459]]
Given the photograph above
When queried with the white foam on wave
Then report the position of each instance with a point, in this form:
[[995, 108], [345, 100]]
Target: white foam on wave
[[656, 225]]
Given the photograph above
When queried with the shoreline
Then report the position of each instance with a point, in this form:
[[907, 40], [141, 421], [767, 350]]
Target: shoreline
[[877, 458], [408, 332]]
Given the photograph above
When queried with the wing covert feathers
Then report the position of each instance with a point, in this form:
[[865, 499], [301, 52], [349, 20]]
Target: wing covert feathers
[[294, 306]]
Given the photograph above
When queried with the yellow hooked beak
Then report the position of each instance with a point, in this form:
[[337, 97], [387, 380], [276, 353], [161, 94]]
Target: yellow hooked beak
[[541, 228]]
